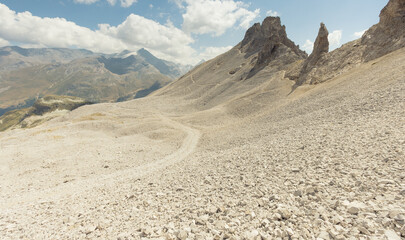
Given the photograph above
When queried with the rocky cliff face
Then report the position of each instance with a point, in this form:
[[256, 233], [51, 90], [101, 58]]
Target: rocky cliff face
[[270, 41], [383, 38], [265, 37], [389, 34], [321, 46]]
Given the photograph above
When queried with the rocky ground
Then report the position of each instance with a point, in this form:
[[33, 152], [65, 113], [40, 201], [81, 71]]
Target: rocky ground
[[328, 165], [236, 149]]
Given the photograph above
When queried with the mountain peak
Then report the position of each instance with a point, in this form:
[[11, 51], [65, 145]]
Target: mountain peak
[[266, 37], [321, 45], [270, 41], [257, 35], [143, 51]]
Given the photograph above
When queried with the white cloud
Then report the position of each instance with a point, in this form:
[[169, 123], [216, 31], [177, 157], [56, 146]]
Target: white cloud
[[215, 16], [167, 42], [85, 1], [359, 34], [179, 3], [124, 3], [272, 13], [211, 52], [127, 3], [334, 38], [308, 46], [51, 32], [4, 42], [112, 2]]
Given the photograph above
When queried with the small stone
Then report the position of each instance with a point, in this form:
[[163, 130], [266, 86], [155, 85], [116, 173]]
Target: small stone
[[251, 234], [394, 213], [339, 228], [265, 222], [310, 191], [277, 216], [221, 225], [295, 170], [391, 235], [363, 230], [182, 235], [252, 215], [285, 214], [399, 219], [386, 222], [298, 193], [130, 196], [340, 237], [402, 231], [337, 219], [324, 235], [278, 232], [289, 232], [353, 210], [386, 181], [212, 210]]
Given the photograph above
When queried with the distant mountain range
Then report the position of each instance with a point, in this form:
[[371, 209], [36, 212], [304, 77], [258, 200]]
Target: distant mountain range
[[26, 74]]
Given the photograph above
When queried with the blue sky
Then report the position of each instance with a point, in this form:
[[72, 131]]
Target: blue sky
[[184, 31]]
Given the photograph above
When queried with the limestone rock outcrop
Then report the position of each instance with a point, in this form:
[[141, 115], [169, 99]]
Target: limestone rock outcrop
[[270, 41], [321, 45], [389, 34], [383, 38]]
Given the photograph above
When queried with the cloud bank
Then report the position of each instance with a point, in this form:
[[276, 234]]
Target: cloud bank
[[124, 3], [215, 16], [163, 40], [135, 32]]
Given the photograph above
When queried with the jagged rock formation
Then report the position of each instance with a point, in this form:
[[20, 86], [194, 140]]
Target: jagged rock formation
[[383, 38], [321, 46], [389, 34], [271, 42]]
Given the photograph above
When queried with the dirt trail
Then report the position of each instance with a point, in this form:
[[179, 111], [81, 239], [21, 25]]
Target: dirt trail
[[187, 147]]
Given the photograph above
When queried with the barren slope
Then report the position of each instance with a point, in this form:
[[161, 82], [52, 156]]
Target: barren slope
[[329, 161], [235, 149]]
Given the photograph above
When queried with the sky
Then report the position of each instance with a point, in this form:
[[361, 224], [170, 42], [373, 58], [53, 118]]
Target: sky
[[183, 31]]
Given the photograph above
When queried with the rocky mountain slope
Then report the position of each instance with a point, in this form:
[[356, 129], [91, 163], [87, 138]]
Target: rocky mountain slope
[[238, 148], [28, 73]]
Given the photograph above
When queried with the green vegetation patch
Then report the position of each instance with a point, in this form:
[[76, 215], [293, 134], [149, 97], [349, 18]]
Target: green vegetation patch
[[42, 106]]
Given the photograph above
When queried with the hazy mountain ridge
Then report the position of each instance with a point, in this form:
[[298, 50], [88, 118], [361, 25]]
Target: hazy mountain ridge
[[29, 73], [13, 57]]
